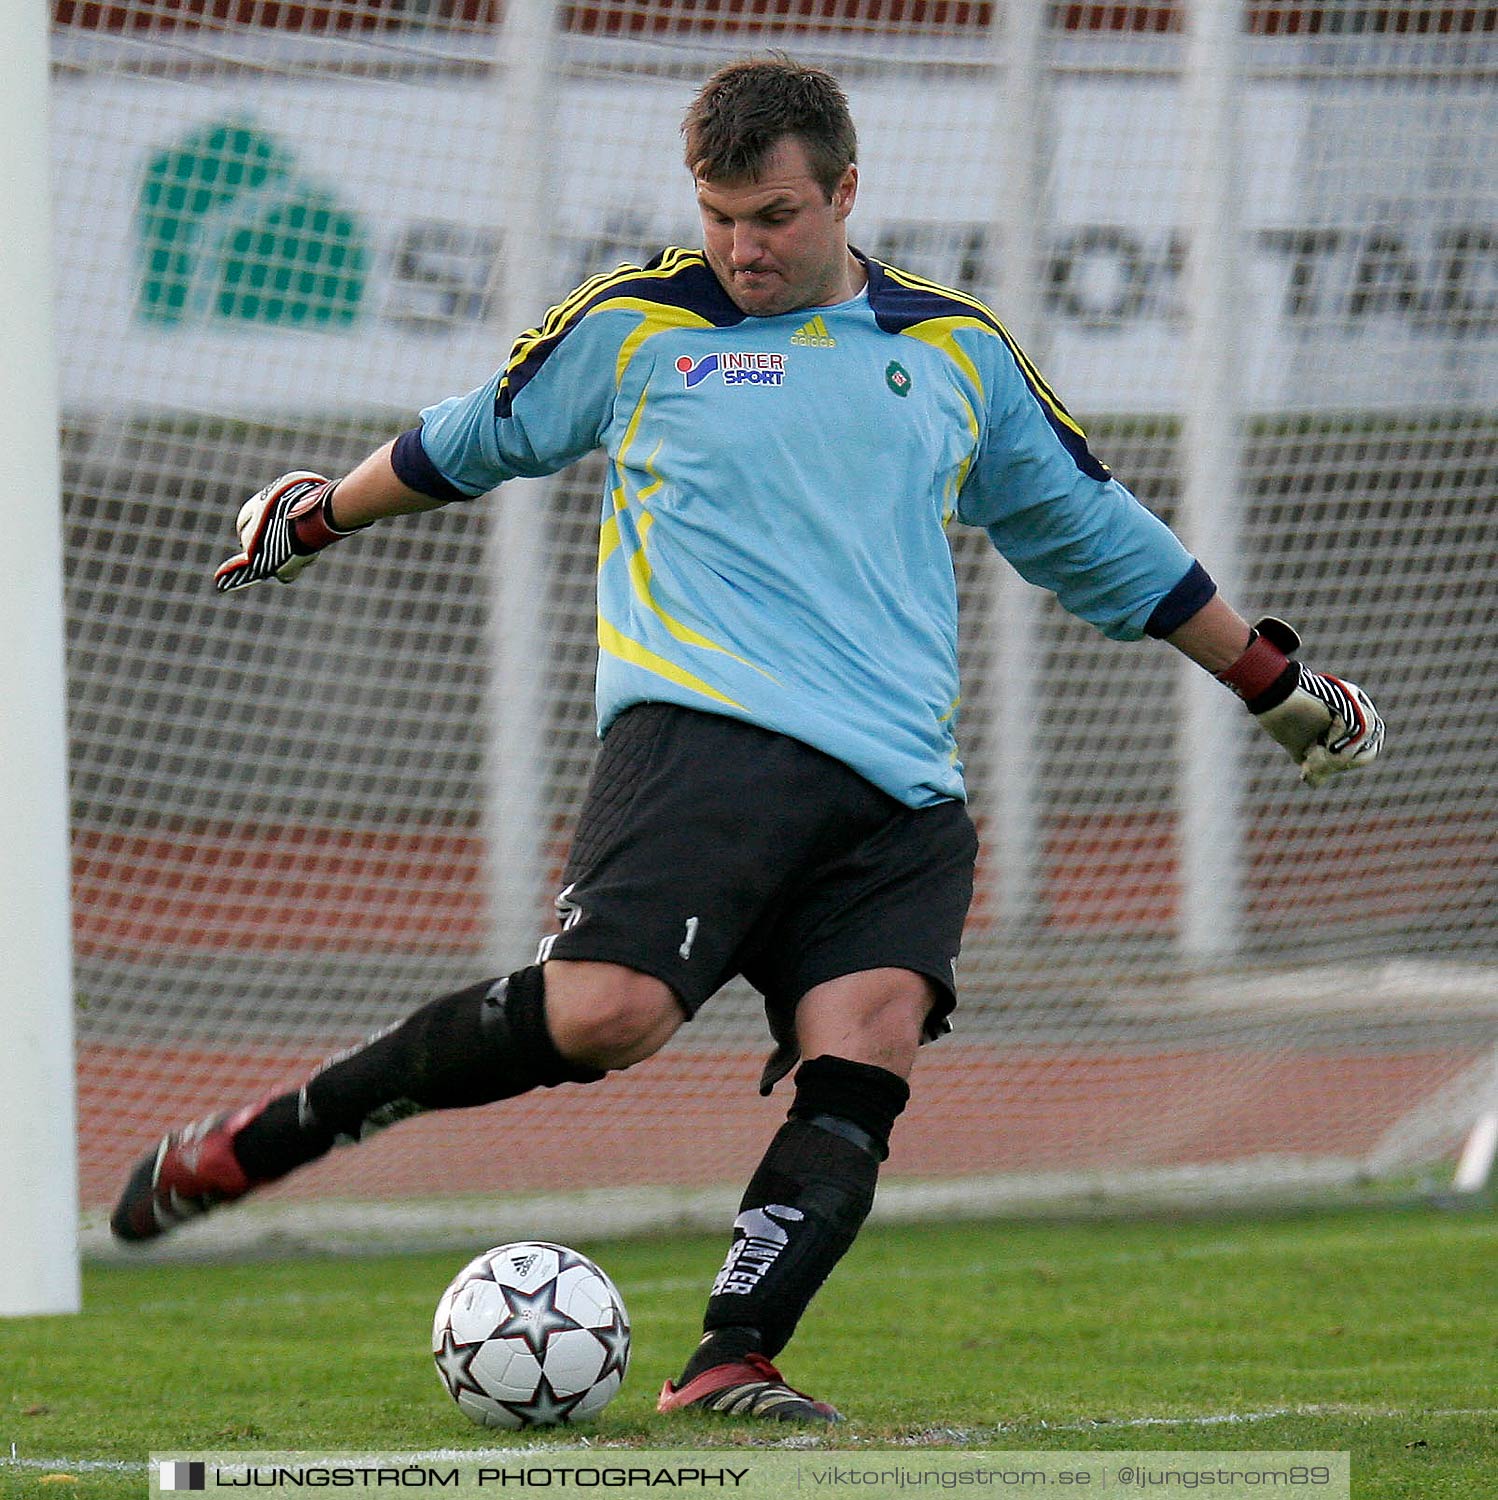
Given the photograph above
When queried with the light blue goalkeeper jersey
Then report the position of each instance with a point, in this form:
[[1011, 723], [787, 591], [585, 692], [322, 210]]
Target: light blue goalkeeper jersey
[[773, 530]]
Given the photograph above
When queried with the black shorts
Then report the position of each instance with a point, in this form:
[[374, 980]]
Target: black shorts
[[708, 847]]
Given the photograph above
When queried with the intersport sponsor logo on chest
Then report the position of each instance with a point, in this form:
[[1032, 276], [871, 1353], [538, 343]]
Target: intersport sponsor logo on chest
[[745, 367]]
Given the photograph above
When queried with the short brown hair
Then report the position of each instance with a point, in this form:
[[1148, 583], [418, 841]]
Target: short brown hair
[[745, 109]]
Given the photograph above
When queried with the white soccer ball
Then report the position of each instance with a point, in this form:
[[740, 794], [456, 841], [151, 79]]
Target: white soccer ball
[[529, 1335]]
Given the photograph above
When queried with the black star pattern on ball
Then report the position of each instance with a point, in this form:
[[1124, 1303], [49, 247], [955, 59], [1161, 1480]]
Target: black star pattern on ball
[[455, 1361], [545, 1407], [534, 1318], [614, 1336]]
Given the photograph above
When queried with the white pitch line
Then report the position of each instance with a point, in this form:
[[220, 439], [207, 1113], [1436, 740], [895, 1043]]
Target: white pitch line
[[229, 1456], [64, 1465], [949, 1434], [1213, 1419], [1082, 1260], [1223, 1419]]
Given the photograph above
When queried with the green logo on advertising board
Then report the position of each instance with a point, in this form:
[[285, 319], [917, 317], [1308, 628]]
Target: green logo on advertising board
[[230, 231]]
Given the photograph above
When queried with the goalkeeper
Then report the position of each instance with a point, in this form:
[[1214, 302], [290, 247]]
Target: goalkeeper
[[789, 426]]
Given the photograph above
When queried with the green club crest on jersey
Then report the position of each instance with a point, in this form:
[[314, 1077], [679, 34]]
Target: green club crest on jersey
[[897, 378]]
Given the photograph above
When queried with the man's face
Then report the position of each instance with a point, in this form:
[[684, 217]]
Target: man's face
[[775, 242]]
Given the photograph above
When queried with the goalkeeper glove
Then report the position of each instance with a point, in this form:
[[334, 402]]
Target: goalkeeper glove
[[1326, 725], [282, 528]]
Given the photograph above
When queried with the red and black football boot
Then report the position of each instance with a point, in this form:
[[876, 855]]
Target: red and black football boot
[[748, 1387], [192, 1171]]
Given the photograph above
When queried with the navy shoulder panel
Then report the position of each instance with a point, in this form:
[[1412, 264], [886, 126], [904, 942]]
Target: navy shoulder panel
[[900, 300], [675, 278]]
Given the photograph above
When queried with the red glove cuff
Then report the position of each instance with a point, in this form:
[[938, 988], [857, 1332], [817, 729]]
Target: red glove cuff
[[311, 523], [1261, 666]]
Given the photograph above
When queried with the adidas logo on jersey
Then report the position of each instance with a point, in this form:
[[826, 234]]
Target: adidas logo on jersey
[[815, 335]]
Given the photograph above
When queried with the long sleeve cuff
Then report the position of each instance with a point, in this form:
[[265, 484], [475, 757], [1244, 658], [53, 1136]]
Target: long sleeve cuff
[[417, 472], [1183, 601]]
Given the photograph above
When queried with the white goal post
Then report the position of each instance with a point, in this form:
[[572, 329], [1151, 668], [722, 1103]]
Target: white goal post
[[283, 226], [38, 1179]]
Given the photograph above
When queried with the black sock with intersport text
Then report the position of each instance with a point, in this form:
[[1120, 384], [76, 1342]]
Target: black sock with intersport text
[[802, 1210]]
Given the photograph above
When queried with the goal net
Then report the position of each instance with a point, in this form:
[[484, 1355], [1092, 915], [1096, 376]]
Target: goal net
[[283, 227]]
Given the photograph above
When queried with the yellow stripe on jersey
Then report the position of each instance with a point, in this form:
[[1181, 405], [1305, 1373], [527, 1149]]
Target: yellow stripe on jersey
[[938, 332], [646, 495], [554, 317], [626, 648], [641, 575], [955, 752], [610, 536], [573, 302], [655, 317], [608, 540], [557, 317]]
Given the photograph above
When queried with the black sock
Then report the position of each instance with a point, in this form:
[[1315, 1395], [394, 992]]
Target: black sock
[[277, 1141], [803, 1207], [482, 1044], [720, 1347]]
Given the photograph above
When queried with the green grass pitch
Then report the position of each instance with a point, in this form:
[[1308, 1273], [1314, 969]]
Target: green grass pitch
[[1370, 1331]]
